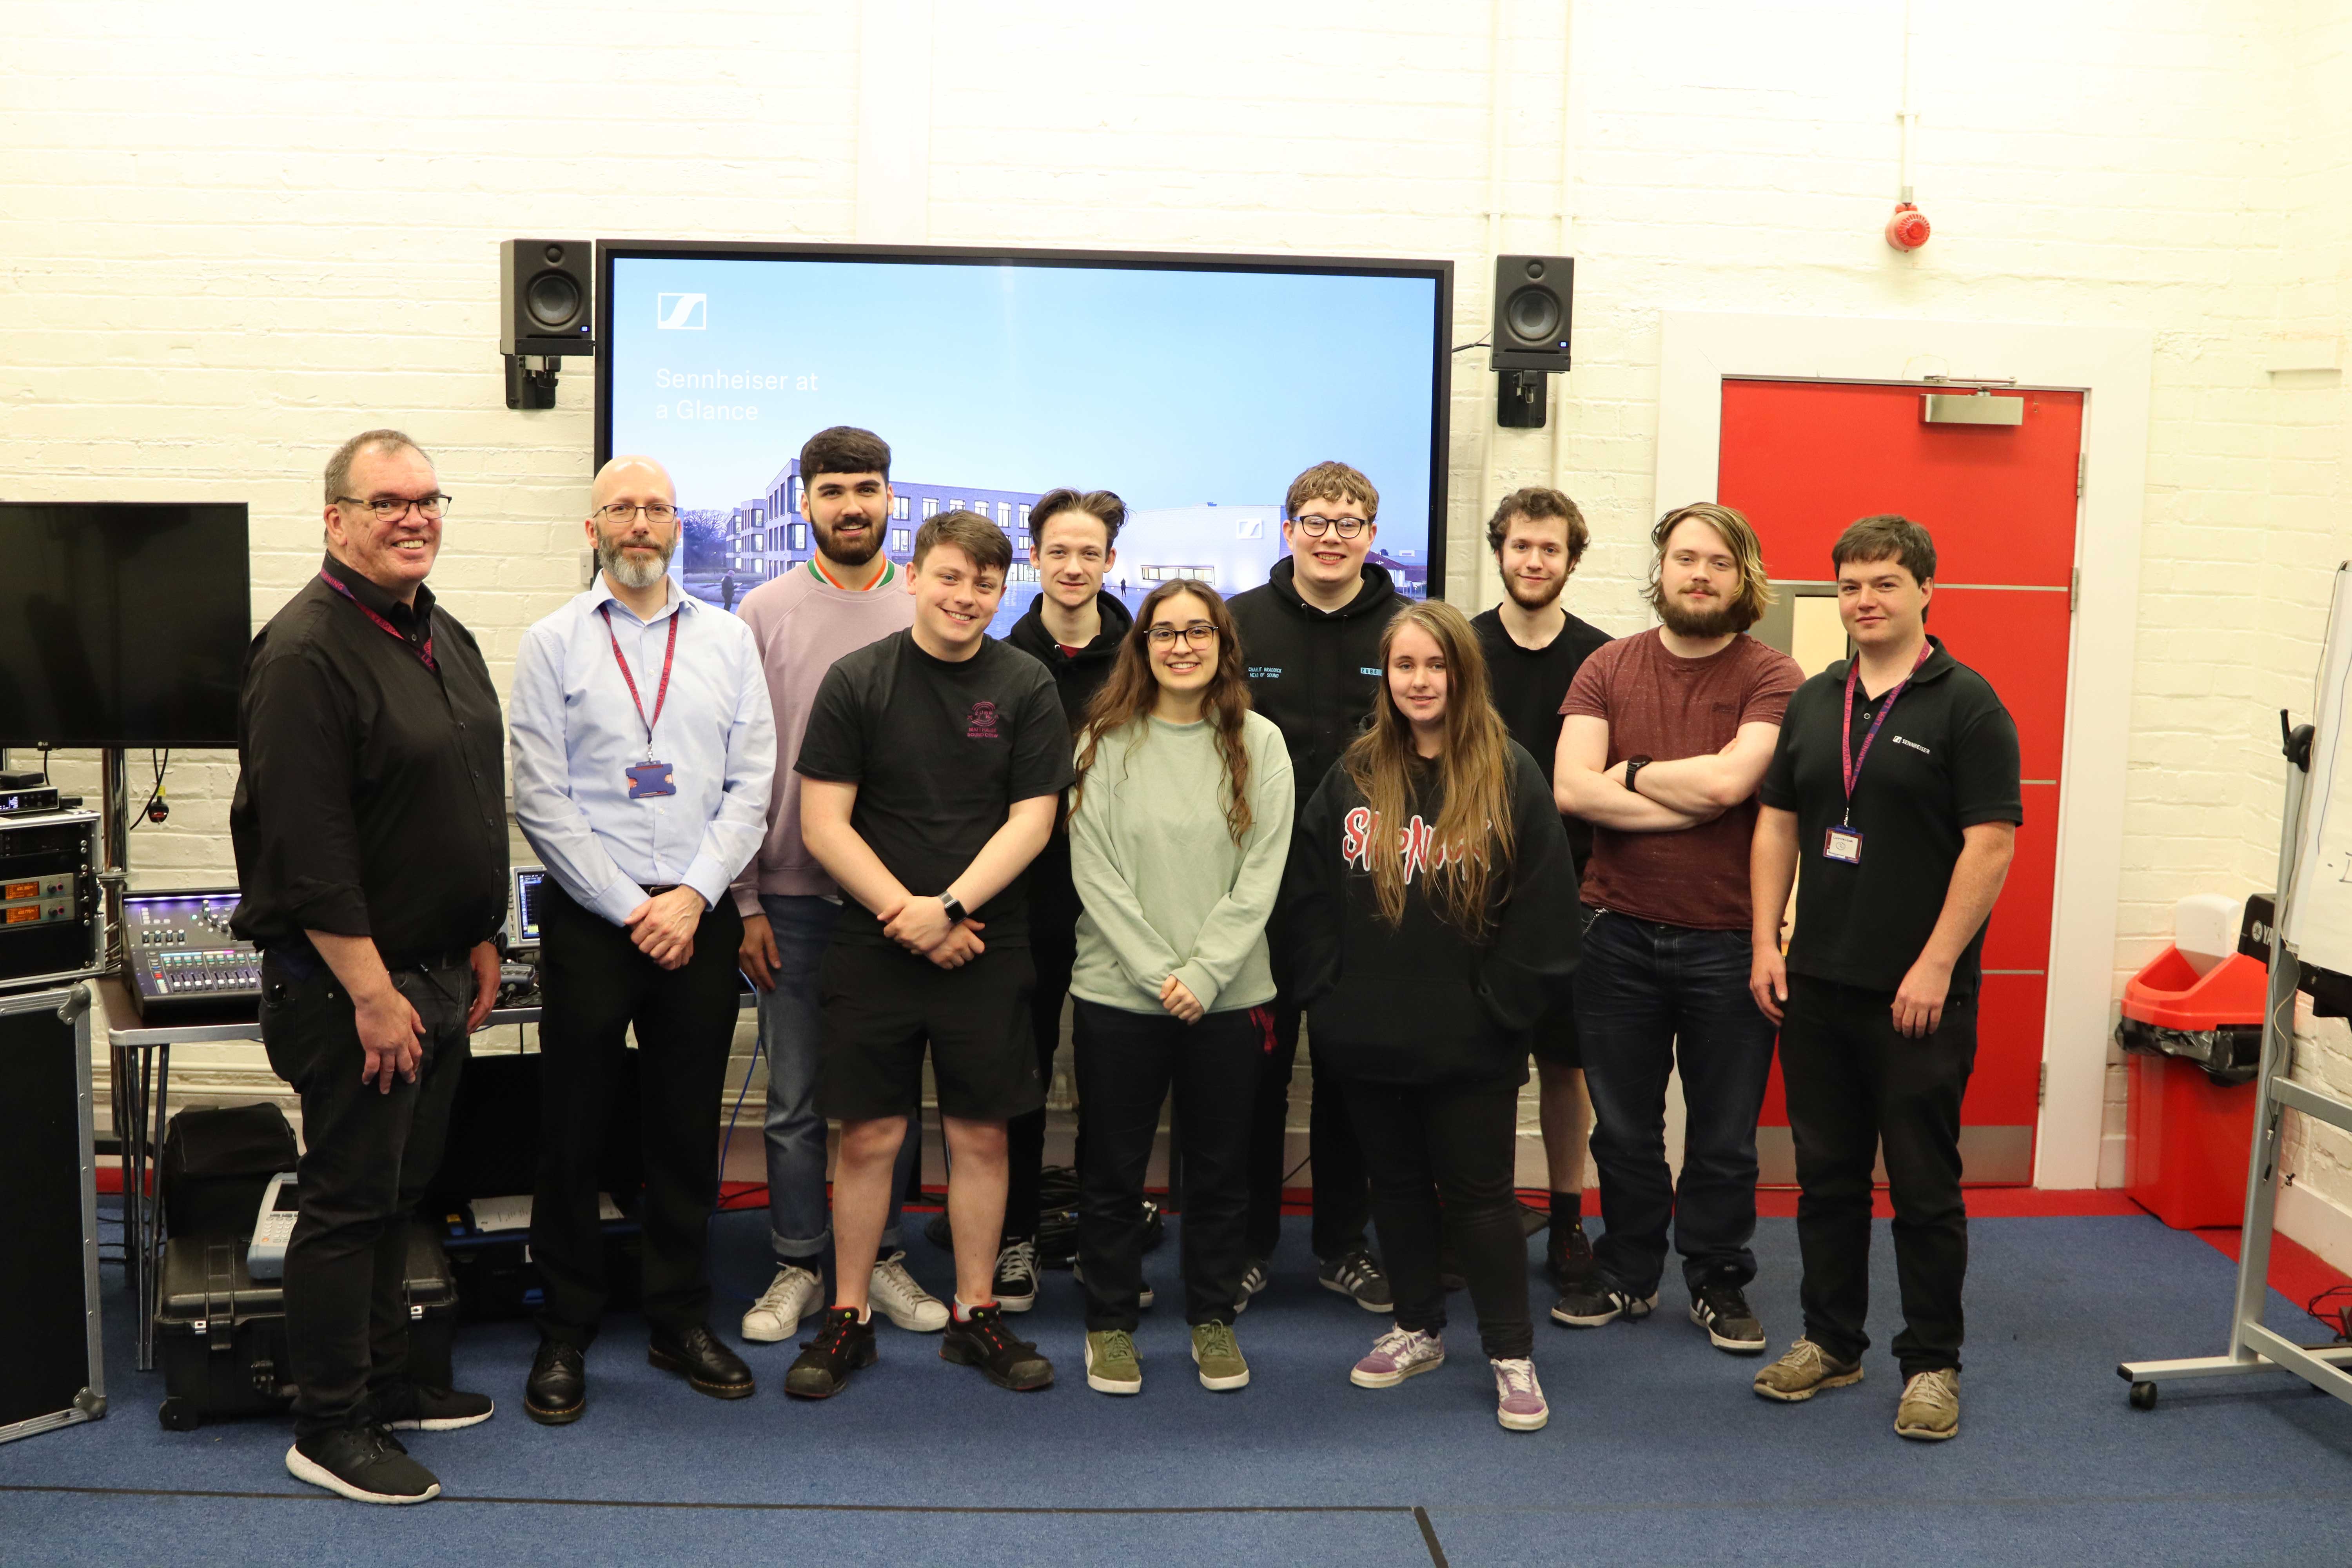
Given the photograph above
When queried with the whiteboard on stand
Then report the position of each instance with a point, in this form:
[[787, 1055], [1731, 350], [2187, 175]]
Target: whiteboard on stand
[[2318, 918]]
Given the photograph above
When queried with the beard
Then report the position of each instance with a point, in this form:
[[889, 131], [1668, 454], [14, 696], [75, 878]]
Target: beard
[[1542, 600], [631, 572], [857, 552], [1700, 626]]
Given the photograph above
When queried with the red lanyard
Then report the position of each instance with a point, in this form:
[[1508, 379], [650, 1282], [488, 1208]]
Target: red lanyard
[[605, 610], [425, 653], [1850, 758]]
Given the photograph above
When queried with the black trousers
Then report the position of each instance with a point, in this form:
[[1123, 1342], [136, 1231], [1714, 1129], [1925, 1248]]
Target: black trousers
[[597, 986], [366, 1160], [1053, 949], [1443, 1158], [1341, 1184], [1127, 1063], [1855, 1084]]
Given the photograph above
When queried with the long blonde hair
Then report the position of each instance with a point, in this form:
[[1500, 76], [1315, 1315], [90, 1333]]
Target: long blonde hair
[[1473, 831]]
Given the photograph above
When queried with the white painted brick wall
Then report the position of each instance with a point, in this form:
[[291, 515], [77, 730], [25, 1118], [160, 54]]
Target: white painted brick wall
[[231, 240]]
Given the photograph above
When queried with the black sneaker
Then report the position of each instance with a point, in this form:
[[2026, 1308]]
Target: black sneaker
[[415, 1407], [1016, 1274], [1599, 1301], [983, 1340], [365, 1464], [843, 1345], [1568, 1256], [1721, 1309], [1357, 1277], [1253, 1282]]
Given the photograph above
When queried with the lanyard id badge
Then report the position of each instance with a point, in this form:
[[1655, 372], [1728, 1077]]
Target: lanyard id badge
[[648, 778], [1843, 842]]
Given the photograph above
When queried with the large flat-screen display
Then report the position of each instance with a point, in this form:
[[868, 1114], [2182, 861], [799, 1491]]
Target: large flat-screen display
[[1196, 387], [122, 624]]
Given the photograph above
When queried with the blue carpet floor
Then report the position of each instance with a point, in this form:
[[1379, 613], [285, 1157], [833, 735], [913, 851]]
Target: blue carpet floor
[[1656, 1453]]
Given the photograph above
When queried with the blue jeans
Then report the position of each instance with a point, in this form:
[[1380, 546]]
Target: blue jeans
[[1650, 997], [791, 1033]]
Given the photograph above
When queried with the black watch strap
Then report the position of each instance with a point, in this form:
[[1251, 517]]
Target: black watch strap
[[954, 907]]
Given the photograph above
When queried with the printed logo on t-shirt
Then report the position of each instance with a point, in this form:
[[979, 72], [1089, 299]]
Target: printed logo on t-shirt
[[1265, 672], [981, 725], [1356, 832], [1907, 741], [1367, 669]]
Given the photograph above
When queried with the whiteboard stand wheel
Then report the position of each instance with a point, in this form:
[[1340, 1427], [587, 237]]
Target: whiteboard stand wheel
[[2143, 1396]]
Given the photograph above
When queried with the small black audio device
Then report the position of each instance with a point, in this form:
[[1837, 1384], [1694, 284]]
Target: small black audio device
[[52, 920], [179, 957], [25, 802]]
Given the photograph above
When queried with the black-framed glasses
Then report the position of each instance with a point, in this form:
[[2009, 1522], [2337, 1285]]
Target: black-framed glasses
[[1317, 525], [389, 508], [1200, 634], [622, 511]]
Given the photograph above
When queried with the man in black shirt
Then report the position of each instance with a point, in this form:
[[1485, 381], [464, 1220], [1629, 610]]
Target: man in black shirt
[[932, 768], [1311, 641], [370, 831], [1534, 649], [1894, 783]]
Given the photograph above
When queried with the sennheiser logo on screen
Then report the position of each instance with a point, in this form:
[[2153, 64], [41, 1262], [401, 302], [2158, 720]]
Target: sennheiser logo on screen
[[682, 312]]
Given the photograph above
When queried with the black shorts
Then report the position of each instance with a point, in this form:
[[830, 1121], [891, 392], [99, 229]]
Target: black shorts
[[1553, 1040], [883, 1004]]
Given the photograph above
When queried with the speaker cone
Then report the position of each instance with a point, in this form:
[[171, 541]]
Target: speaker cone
[[553, 299], [1532, 314]]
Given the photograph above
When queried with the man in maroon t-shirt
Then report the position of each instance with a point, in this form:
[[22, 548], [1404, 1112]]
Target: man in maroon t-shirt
[[1664, 739]]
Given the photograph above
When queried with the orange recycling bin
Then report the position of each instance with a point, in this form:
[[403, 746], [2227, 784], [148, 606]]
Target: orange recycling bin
[[2193, 1042]]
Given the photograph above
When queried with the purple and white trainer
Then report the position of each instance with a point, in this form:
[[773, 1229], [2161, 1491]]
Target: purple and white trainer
[[1397, 1355], [1519, 1397]]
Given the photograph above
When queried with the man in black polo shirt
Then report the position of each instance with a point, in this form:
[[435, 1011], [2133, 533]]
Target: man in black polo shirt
[[1534, 649], [370, 831], [1895, 785]]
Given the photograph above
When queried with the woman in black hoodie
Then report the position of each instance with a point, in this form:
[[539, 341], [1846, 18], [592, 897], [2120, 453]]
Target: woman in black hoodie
[[1434, 900]]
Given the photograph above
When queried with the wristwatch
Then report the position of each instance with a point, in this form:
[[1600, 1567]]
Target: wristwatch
[[954, 907], [1633, 765]]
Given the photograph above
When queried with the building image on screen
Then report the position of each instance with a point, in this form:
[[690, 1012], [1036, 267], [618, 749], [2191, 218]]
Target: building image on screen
[[1196, 394]]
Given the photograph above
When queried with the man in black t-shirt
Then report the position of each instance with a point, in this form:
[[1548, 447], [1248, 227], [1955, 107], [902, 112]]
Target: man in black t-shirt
[[1894, 783], [933, 767], [1534, 649]]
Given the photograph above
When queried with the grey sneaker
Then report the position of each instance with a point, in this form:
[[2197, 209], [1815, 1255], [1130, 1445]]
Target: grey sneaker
[[1357, 1277], [1930, 1408], [1721, 1309], [1396, 1355], [1804, 1371], [1111, 1365], [1218, 1357], [1251, 1283], [1519, 1397], [894, 1295], [776, 1315]]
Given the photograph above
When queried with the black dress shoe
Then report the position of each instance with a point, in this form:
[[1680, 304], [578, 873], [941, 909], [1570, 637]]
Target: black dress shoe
[[702, 1360], [557, 1392]]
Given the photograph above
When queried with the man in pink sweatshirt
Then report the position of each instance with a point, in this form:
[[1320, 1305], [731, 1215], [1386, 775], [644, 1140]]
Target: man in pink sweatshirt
[[848, 595]]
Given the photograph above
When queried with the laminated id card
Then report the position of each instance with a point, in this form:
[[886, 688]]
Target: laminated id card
[[648, 779], [1845, 843]]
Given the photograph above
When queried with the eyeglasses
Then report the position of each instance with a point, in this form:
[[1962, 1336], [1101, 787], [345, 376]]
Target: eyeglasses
[[1200, 634], [1317, 525], [388, 509], [622, 511]]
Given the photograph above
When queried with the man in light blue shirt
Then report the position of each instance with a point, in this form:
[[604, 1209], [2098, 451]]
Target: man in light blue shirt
[[644, 752]]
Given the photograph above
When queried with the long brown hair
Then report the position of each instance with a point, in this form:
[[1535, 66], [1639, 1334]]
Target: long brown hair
[[1473, 831], [1131, 690]]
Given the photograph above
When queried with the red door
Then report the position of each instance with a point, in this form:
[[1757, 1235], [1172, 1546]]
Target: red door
[[1803, 460]]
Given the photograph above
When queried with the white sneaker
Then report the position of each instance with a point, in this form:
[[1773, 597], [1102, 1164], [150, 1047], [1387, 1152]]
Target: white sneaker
[[897, 1297], [1143, 1299], [777, 1312]]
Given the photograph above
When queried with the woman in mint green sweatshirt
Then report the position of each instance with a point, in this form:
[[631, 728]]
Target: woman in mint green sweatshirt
[[1180, 827]]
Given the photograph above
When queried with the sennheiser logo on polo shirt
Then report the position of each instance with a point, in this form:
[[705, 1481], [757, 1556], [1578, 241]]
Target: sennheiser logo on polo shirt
[[682, 312], [1907, 741]]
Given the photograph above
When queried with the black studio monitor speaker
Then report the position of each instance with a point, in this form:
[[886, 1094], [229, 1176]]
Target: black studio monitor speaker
[[546, 304], [1534, 297]]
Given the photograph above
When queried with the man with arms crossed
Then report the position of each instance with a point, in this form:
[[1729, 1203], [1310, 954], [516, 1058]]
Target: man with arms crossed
[[643, 752], [850, 594], [1665, 736], [1311, 642], [932, 768], [370, 838], [1074, 629], [1895, 787], [1534, 649]]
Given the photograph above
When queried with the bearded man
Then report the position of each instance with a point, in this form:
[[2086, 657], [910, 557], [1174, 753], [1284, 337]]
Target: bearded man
[[643, 752]]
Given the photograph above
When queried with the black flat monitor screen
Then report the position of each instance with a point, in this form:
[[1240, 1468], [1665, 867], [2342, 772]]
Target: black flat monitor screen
[[122, 624], [1194, 386]]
